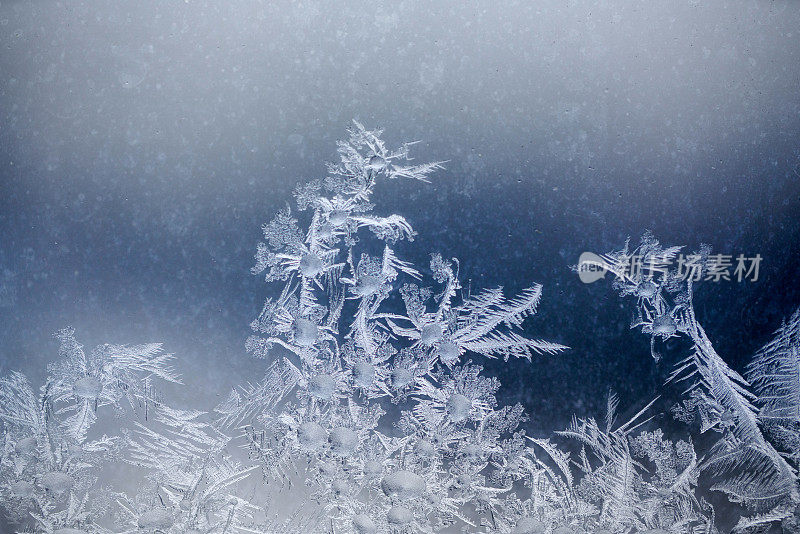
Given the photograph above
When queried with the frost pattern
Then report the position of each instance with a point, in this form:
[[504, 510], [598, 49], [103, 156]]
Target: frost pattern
[[375, 416], [743, 462]]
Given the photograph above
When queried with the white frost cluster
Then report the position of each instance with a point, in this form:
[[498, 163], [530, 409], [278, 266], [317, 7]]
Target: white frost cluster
[[372, 416]]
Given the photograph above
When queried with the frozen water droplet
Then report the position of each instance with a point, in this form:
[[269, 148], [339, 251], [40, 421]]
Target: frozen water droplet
[[311, 265], [376, 163], [305, 332], [448, 352], [372, 468], [664, 325], [343, 441], [88, 388], [367, 285], [401, 377], [399, 515], [25, 446], [646, 289], [362, 524], [363, 374], [57, 483], [338, 217], [322, 386], [458, 407], [403, 484], [431, 333], [156, 519], [311, 435], [424, 449]]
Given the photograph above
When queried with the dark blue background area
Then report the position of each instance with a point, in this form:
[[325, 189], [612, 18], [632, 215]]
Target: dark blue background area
[[144, 145]]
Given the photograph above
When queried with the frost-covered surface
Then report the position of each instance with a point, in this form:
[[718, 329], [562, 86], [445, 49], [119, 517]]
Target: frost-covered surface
[[143, 142], [375, 413], [130, 205]]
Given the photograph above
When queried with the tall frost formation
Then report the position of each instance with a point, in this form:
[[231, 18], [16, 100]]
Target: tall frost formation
[[452, 455], [374, 415]]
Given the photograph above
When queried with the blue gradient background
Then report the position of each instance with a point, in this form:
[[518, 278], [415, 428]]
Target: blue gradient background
[[142, 144]]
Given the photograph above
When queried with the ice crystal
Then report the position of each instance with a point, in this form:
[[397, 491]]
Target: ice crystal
[[744, 462], [110, 374], [346, 351], [374, 418], [775, 374]]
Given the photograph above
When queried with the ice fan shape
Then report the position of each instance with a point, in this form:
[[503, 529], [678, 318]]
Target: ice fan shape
[[375, 416]]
